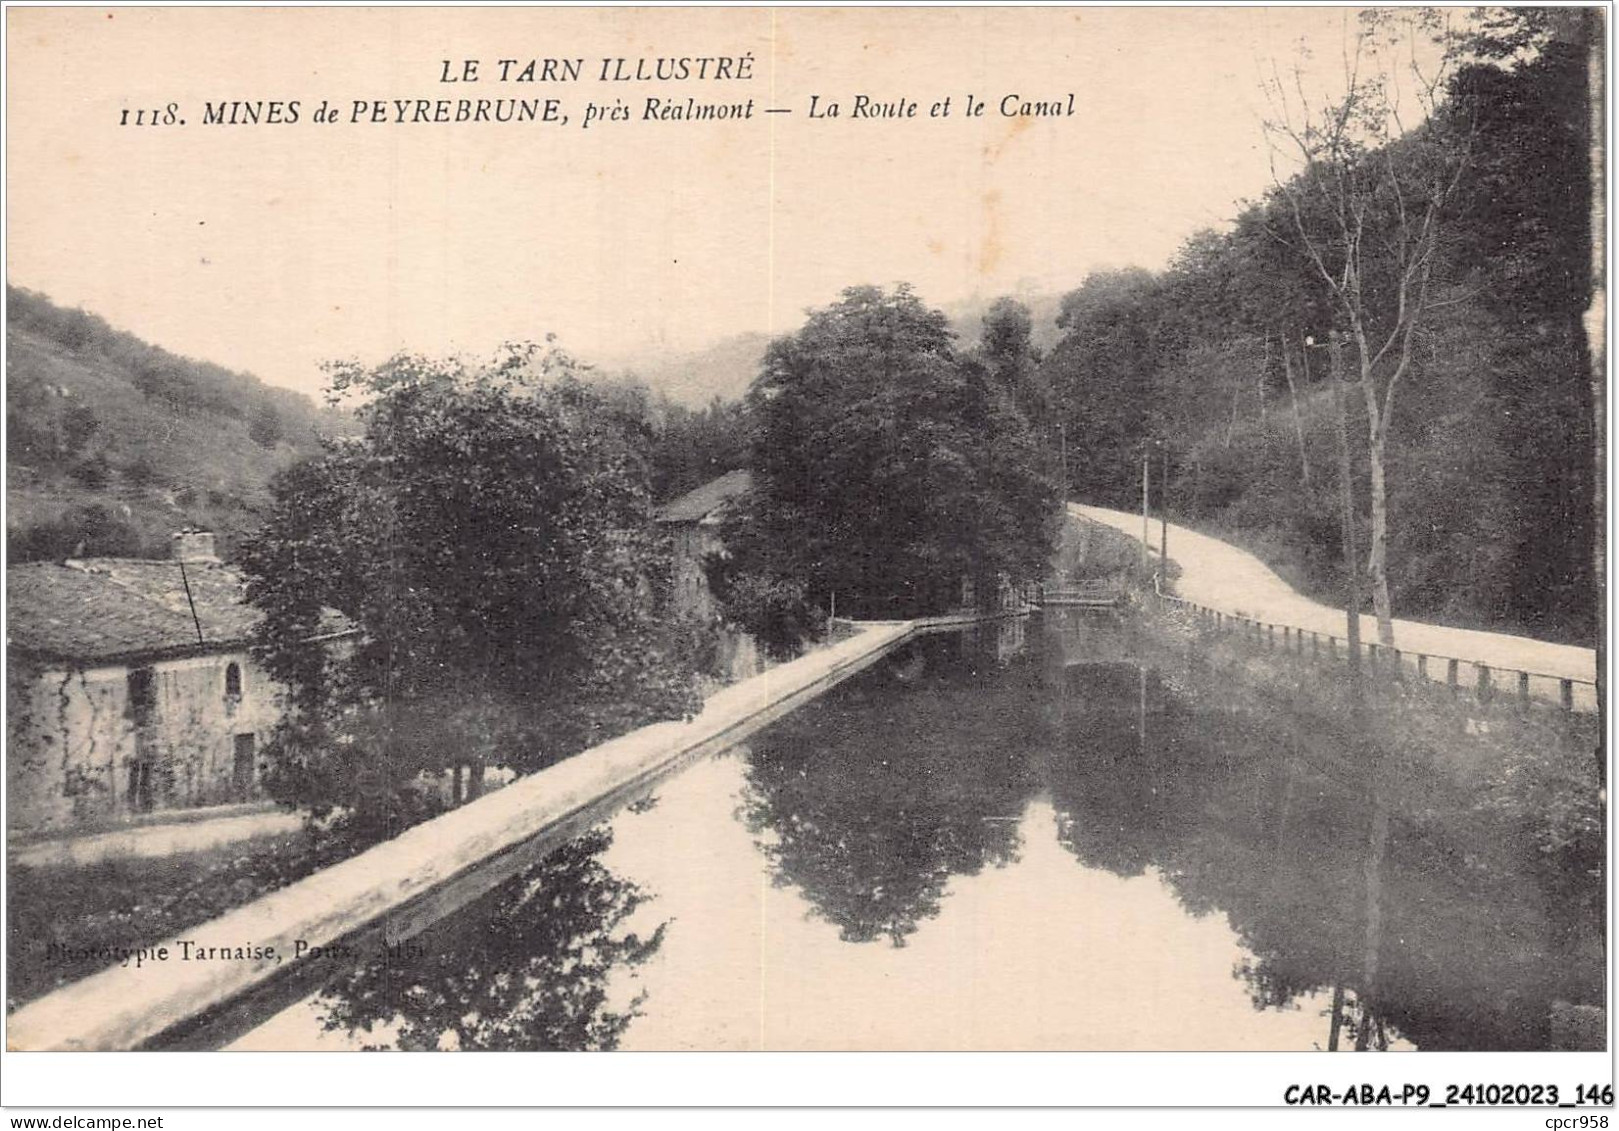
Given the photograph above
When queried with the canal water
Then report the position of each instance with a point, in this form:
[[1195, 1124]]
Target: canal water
[[1021, 837]]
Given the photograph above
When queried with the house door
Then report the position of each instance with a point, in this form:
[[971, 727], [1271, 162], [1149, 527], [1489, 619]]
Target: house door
[[243, 768], [143, 785]]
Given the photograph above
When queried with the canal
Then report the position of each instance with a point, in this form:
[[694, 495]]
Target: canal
[[1037, 835]]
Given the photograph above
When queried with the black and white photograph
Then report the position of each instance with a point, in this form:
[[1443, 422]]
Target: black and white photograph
[[817, 530]]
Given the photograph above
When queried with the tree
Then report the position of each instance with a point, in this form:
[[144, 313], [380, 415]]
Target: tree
[[265, 429], [1017, 464], [1526, 231], [79, 424], [491, 536], [1368, 208], [1101, 373], [691, 447], [887, 466]]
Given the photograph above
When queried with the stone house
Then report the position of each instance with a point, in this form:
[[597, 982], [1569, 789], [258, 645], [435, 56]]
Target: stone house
[[693, 521], [131, 691]]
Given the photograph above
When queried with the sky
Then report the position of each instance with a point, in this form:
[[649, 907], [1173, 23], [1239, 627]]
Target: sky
[[272, 248]]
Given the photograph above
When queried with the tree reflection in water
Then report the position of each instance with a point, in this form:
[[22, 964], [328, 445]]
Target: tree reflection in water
[[870, 799], [524, 967], [1418, 915]]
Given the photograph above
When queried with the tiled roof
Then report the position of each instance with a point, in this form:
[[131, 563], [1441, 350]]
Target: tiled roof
[[701, 502], [109, 609]]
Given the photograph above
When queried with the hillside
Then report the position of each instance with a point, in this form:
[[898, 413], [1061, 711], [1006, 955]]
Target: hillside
[[726, 368], [113, 444], [1488, 455]]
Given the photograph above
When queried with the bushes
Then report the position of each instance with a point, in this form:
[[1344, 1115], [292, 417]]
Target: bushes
[[85, 532], [266, 428], [777, 612]]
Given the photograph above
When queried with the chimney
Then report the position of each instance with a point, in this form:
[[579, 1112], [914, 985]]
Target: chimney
[[192, 545]]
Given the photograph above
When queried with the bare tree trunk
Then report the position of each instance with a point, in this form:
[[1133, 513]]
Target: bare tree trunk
[[1377, 562], [1346, 509], [1298, 420], [1377, 416]]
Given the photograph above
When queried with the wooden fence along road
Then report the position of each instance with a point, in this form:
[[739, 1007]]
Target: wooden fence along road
[[1233, 589], [1486, 682]]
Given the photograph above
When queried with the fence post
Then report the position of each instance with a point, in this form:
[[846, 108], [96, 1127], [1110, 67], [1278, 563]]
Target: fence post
[[1451, 674], [1422, 664], [1484, 691], [1565, 692], [1399, 664], [1523, 690], [1332, 647], [1315, 645]]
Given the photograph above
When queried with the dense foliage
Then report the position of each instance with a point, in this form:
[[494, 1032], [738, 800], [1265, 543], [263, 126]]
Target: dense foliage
[[889, 465], [692, 446], [1489, 450], [490, 534]]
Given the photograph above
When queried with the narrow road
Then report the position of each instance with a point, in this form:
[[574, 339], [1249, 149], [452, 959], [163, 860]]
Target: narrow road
[[1220, 576]]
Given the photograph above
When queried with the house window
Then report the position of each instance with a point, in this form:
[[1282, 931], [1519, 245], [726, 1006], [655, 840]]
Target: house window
[[141, 688], [243, 766], [233, 681]]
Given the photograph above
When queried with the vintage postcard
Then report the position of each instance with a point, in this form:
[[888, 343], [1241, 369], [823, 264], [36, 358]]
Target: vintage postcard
[[1055, 529]]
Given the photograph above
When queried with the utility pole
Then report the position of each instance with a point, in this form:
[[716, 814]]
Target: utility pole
[[1163, 513], [1146, 462]]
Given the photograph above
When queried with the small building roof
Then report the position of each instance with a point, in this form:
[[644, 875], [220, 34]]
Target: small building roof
[[706, 501], [110, 610]]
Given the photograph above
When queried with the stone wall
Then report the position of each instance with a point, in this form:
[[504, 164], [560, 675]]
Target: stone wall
[[103, 746], [692, 545]]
